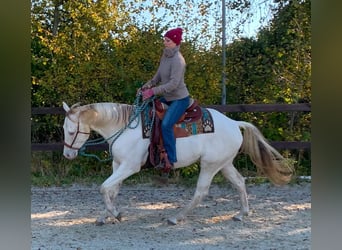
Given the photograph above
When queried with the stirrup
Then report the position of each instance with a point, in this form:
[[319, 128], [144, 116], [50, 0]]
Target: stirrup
[[167, 165], [164, 164], [160, 165]]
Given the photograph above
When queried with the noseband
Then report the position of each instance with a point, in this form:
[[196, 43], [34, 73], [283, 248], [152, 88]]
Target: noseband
[[74, 140]]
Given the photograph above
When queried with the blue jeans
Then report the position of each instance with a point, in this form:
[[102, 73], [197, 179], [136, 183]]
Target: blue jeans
[[175, 110]]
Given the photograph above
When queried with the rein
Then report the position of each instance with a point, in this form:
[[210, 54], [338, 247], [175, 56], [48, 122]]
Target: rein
[[137, 109]]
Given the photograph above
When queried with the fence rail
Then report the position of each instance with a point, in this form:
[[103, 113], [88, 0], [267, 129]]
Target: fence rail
[[300, 107], [306, 107]]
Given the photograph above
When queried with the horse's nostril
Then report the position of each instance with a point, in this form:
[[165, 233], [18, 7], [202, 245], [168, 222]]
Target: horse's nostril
[[69, 155]]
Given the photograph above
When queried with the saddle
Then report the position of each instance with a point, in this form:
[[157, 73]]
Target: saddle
[[192, 113], [157, 154]]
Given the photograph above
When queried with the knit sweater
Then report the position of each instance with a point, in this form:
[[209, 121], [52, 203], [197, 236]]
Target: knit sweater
[[170, 75]]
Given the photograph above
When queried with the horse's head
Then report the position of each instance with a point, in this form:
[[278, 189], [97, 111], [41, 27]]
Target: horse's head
[[76, 133]]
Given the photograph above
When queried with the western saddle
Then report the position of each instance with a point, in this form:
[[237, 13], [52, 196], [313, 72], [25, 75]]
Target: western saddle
[[157, 154]]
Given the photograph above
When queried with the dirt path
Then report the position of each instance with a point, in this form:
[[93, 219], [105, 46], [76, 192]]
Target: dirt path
[[280, 218]]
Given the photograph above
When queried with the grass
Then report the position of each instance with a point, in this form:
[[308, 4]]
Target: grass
[[52, 169]]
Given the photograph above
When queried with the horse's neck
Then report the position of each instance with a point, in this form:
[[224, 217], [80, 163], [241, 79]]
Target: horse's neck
[[110, 117]]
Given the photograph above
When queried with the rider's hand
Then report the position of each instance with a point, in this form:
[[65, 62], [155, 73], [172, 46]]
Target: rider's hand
[[147, 94]]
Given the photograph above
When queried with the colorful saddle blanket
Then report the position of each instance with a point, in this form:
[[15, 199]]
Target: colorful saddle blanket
[[184, 128]]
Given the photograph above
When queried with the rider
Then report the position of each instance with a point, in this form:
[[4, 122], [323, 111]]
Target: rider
[[169, 83]]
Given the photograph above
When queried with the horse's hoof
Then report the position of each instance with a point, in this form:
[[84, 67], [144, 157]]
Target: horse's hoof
[[172, 221], [237, 218], [99, 222], [119, 217]]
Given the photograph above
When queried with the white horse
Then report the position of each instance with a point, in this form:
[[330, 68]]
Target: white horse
[[216, 152]]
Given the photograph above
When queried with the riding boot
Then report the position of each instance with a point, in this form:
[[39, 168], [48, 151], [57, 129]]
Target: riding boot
[[165, 165]]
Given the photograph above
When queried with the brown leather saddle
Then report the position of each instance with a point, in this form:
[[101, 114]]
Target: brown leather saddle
[[157, 154], [192, 113]]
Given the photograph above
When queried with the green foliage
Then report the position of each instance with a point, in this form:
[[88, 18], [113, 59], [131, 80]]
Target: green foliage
[[53, 169], [276, 68], [97, 51]]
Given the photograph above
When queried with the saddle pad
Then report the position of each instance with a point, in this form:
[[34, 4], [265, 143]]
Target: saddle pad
[[202, 126]]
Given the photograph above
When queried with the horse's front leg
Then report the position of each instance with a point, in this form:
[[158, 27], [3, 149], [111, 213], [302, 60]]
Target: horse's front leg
[[108, 197], [110, 189]]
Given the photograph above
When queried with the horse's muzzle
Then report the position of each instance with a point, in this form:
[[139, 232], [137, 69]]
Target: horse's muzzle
[[70, 154]]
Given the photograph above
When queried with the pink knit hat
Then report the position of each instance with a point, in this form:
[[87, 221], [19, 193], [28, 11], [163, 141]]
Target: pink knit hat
[[175, 35]]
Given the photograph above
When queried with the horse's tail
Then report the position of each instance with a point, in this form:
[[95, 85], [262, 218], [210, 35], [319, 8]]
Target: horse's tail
[[267, 159]]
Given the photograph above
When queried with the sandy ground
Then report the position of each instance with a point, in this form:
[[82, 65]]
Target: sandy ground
[[280, 218]]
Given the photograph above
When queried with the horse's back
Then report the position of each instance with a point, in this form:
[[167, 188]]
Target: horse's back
[[223, 143], [224, 123]]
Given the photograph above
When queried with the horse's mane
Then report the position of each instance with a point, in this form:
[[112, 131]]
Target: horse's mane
[[106, 111]]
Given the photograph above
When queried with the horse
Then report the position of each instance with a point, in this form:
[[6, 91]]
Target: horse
[[214, 151]]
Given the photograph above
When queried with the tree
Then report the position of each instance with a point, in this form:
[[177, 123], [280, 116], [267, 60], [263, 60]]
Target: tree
[[72, 45]]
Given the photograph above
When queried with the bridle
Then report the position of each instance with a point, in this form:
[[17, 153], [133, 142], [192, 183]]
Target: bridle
[[74, 140]]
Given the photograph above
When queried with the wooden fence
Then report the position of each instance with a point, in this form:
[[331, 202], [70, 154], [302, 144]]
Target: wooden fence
[[300, 107]]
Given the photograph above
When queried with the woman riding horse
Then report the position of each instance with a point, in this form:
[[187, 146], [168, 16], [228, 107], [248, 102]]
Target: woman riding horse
[[175, 94]]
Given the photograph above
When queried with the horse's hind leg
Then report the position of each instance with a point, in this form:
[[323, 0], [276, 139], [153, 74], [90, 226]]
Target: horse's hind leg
[[231, 174], [205, 177]]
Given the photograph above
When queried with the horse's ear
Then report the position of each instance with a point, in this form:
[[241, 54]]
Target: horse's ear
[[66, 107]]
